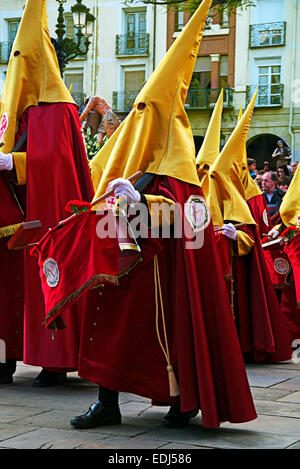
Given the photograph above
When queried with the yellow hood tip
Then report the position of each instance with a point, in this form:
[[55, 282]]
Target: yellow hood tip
[[156, 135], [290, 207], [210, 147], [229, 195], [33, 74]]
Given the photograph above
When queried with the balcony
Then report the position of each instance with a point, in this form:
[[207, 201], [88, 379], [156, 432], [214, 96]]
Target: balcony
[[268, 95], [206, 99], [5, 49], [123, 100], [132, 44], [267, 34]]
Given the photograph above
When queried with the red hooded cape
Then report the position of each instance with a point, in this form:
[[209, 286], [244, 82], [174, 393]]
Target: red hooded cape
[[259, 319], [119, 343], [260, 213], [12, 270], [57, 171]]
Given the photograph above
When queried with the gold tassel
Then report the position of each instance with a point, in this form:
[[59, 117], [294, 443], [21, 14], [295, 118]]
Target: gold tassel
[[8, 230], [173, 385]]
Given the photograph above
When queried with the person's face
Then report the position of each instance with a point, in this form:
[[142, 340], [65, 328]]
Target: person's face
[[294, 167], [280, 172], [252, 167], [284, 187], [267, 184], [280, 144]]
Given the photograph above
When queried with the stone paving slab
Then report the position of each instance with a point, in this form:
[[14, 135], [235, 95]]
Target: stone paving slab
[[282, 409], [284, 426], [224, 438], [269, 394], [291, 397], [8, 431], [12, 413], [264, 377], [292, 384]]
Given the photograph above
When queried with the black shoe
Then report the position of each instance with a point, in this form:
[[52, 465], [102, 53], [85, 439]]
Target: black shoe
[[177, 419], [97, 415], [48, 378]]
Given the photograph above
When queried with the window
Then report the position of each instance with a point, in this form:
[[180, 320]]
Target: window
[[12, 30], [178, 19], [224, 71], [202, 74], [269, 86], [135, 30], [268, 11], [224, 18], [76, 81]]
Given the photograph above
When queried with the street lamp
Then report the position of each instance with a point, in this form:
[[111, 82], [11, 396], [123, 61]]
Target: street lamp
[[66, 48]]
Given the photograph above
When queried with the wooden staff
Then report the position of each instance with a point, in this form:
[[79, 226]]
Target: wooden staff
[[238, 225], [132, 178]]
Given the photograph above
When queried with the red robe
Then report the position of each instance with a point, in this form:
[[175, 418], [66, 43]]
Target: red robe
[[11, 274], [260, 213], [57, 171], [258, 318], [119, 344]]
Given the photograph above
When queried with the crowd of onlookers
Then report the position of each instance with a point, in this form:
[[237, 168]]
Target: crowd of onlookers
[[273, 184]]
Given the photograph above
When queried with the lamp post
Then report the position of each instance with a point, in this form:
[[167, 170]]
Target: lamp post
[[66, 48]]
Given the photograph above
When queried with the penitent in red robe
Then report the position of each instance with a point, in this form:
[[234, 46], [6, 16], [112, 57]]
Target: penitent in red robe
[[119, 343], [11, 276], [57, 171], [260, 213]]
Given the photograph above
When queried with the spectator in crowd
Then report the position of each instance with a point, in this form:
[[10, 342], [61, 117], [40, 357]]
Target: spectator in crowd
[[258, 179], [252, 167], [266, 166], [282, 172], [282, 153], [284, 183], [271, 191], [294, 167]]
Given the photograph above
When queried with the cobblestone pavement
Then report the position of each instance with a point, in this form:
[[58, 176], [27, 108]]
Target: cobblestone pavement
[[32, 418]]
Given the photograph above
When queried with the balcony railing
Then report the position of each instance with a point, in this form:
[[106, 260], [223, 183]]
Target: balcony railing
[[267, 34], [5, 50], [268, 95], [206, 99], [132, 44], [123, 100]]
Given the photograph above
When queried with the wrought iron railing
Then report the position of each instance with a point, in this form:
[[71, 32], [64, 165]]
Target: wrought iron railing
[[5, 50], [123, 100], [206, 99], [267, 34], [132, 44], [268, 95]]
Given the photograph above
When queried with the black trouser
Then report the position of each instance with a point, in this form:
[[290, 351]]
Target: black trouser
[[8, 368], [108, 397]]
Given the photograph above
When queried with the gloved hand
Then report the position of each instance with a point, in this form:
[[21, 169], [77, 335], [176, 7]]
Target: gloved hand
[[6, 161], [124, 188], [273, 233], [229, 230]]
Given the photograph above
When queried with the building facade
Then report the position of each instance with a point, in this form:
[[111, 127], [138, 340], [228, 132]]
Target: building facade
[[126, 45]]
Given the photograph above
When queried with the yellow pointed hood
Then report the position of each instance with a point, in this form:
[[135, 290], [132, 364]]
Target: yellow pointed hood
[[33, 74], [210, 147], [251, 189], [156, 135], [290, 207], [227, 195]]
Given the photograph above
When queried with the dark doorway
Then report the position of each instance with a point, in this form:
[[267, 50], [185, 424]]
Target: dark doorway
[[261, 148]]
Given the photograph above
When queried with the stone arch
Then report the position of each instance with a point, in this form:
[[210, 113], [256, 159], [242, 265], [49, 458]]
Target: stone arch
[[260, 147]]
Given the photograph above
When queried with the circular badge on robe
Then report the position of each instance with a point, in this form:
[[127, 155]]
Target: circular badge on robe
[[282, 266], [51, 272], [298, 220], [265, 217], [3, 125], [197, 212]]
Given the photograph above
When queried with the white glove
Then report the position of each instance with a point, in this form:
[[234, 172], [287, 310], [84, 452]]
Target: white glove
[[273, 233], [124, 188], [229, 230], [6, 161]]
